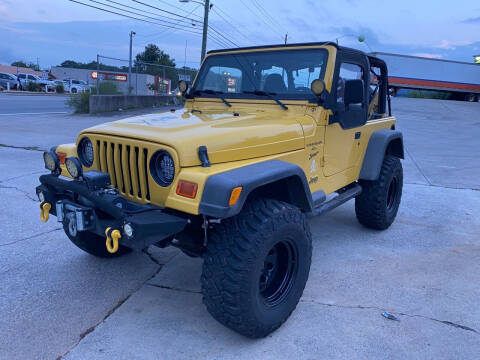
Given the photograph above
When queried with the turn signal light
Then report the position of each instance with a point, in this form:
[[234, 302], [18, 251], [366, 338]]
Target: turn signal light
[[235, 195], [62, 157], [187, 189]]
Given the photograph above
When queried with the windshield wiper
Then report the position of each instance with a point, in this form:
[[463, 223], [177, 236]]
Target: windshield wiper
[[268, 94], [213, 92]]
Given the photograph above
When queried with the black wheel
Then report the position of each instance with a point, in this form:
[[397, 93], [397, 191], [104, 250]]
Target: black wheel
[[256, 267], [74, 91], [92, 243], [377, 206]]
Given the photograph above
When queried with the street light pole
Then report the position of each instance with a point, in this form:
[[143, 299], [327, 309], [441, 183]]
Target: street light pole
[[130, 63], [205, 28]]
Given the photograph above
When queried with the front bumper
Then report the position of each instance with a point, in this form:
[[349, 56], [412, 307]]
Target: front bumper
[[85, 206]]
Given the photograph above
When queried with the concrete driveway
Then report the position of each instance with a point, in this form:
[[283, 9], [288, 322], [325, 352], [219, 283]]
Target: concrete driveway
[[56, 301]]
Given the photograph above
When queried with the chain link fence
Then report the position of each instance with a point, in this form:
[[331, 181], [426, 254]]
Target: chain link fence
[[112, 76]]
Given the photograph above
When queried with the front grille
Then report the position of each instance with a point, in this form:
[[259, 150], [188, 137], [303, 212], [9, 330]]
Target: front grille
[[127, 167]]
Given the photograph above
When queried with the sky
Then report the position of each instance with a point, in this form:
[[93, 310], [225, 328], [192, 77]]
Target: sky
[[58, 30]]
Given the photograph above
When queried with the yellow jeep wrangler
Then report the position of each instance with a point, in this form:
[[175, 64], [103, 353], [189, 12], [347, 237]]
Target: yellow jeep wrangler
[[268, 136]]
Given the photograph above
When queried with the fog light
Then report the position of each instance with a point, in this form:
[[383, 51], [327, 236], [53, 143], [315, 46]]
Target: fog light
[[74, 167], [128, 230], [51, 162]]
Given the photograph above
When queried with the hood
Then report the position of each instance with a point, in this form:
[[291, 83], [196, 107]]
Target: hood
[[227, 137]]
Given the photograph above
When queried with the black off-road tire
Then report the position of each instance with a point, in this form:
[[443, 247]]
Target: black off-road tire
[[239, 278], [94, 244], [377, 206]]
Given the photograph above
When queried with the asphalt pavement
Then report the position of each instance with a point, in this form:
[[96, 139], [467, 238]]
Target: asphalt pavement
[[28, 105], [56, 301]]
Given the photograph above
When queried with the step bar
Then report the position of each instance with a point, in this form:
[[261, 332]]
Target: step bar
[[343, 196]]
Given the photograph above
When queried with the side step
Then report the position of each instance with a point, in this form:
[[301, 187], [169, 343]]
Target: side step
[[343, 196]]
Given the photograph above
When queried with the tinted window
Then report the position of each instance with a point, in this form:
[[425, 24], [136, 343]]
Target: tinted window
[[347, 72], [21, 76]]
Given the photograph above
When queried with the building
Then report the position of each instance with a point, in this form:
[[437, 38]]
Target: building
[[17, 69], [141, 83]]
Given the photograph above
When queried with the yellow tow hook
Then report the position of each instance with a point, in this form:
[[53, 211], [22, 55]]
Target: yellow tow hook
[[45, 211], [112, 240]]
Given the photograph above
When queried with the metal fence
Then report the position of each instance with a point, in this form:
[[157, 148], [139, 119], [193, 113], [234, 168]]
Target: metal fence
[[113, 76]]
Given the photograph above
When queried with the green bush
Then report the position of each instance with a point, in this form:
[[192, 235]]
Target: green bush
[[428, 94], [80, 102], [33, 86], [105, 88], [59, 88]]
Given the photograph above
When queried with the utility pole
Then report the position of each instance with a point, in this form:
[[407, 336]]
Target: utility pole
[[286, 38], [205, 28], [98, 72], [130, 63]]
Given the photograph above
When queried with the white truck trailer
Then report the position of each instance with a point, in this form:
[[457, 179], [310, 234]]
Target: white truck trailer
[[461, 79]]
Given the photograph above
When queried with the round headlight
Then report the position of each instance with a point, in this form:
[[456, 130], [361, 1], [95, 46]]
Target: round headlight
[[51, 161], [85, 152], [74, 167], [162, 168]]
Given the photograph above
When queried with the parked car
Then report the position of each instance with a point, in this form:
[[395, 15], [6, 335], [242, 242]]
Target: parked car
[[5, 79], [75, 86], [24, 79]]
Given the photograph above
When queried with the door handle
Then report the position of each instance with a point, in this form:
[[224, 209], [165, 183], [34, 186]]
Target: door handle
[[357, 135]]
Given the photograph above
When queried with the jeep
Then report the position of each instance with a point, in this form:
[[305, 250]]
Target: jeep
[[268, 136]]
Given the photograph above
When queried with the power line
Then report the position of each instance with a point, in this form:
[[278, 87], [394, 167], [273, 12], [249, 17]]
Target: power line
[[171, 30], [262, 19], [145, 11], [178, 8], [166, 11], [229, 23], [130, 17], [260, 7], [133, 12]]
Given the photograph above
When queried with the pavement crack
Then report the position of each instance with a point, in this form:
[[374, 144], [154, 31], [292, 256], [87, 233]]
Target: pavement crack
[[20, 176], [30, 237], [26, 193], [174, 289], [443, 186], [115, 307], [362, 307], [33, 148], [418, 167], [150, 255]]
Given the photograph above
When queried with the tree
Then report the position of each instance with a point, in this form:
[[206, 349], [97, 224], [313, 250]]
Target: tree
[[153, 54], [20, 63], [92, 66]]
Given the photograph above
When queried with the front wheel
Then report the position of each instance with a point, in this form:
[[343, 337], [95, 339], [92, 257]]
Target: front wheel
[[377, 206], [91, 243], [256, 267]]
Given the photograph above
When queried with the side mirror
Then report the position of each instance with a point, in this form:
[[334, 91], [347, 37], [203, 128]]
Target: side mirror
[[354, 92], [183, 86], [318, 87]]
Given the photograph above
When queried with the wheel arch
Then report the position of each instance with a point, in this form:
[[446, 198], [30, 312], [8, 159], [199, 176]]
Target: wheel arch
[[382, 142], [275, 179]]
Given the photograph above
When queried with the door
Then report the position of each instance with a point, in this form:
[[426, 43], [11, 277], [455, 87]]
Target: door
[[343, 135]]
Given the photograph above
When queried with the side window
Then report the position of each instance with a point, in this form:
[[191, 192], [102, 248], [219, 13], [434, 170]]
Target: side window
[[30, 77], [347, 72], [21, 76], [3, 76]]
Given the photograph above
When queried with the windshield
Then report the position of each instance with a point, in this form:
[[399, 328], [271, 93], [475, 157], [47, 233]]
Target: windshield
[[284, 73]]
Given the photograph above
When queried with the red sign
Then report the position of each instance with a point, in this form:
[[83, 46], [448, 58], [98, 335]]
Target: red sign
[[108, 76]]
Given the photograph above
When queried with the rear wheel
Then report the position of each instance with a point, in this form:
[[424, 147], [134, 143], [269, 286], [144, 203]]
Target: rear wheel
[[256, 267], [377, 206], [91, 243]]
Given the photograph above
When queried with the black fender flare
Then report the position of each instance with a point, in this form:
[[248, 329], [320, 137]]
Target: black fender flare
[[218, 188], [382, 142]]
